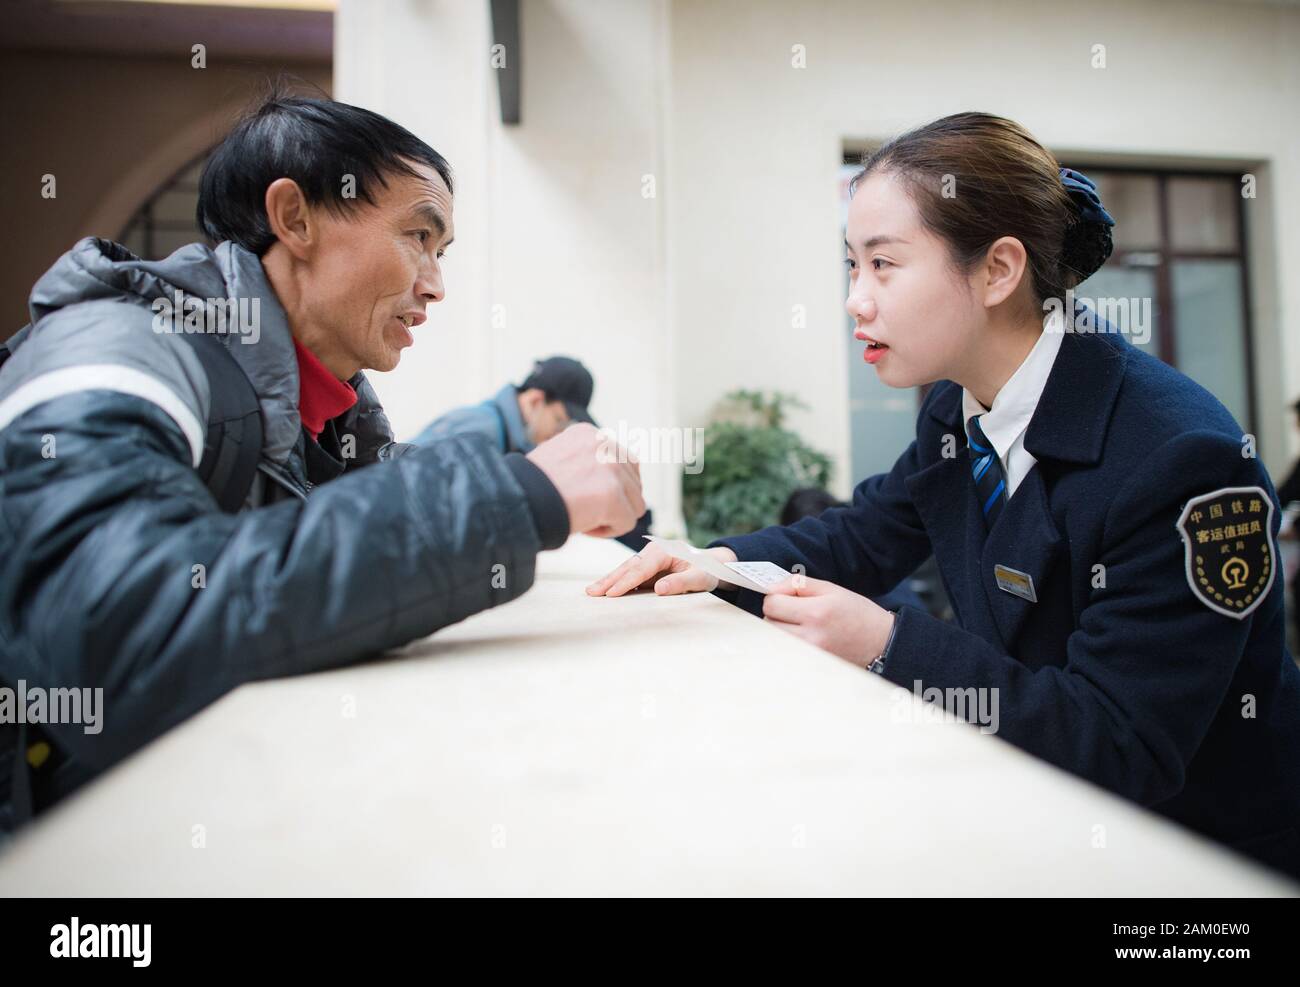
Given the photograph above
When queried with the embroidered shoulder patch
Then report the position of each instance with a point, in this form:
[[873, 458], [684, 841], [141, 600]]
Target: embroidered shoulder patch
[[1228, 538]]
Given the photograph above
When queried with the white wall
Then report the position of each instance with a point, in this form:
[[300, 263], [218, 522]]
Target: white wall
[[420, 64], [697, 284], [553, 234], [752, 211]]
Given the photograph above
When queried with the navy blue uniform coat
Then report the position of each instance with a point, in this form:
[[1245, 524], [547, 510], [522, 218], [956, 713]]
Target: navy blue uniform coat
[[1136, 685]]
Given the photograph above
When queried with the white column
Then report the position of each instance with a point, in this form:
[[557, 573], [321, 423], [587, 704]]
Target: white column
[[558, 249]]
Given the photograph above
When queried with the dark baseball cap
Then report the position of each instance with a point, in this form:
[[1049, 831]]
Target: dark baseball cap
[[565, 379]]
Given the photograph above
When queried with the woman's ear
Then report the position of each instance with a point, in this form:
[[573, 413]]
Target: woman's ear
[[289, 217], [1004, 269]]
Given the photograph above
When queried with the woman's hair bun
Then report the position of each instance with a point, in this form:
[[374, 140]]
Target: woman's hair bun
[[1088, 241], [1087, 245]]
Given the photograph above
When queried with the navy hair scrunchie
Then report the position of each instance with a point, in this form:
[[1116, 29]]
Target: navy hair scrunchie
[[1083, 192]]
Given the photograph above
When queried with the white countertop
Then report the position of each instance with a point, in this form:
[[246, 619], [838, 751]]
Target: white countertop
[[564, 744]]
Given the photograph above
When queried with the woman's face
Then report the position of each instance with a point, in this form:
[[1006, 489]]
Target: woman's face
[[904, 292]]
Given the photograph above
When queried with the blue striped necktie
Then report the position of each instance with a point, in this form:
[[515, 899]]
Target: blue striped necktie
[[990, 484]]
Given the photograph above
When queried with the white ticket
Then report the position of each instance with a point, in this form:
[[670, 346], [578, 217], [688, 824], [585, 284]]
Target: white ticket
[[757, 576]]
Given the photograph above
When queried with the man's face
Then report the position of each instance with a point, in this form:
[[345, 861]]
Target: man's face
[[542, 419], [376, 267]]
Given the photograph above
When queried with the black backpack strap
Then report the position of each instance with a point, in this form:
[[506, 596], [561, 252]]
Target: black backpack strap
[[15, 785], [231, 451], [7, 348], [233, 444]]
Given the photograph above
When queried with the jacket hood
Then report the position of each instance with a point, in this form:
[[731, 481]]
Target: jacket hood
[[97, 269]]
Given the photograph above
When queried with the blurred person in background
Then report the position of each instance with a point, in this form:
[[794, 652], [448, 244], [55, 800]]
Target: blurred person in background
[[814, 502], [518, 418], [1288, 495], [554, 395]]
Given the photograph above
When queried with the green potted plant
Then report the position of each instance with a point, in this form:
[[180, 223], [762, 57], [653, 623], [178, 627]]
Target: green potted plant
[[751, 465]]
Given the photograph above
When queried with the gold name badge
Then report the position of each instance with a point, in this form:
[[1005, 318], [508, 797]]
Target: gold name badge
[[1015, 582]]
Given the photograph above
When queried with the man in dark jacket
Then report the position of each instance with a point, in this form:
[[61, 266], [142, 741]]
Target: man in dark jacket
[[118, 570]]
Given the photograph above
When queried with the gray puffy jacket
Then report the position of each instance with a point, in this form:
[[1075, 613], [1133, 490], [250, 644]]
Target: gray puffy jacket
[[117, 569]]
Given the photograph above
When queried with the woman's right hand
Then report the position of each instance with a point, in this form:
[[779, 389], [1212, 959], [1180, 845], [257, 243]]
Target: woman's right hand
[[653, 565]]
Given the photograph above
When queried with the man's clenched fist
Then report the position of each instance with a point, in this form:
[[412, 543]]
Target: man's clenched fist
[[599, 481]]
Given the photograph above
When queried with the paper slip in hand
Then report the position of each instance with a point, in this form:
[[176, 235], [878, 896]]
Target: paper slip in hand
[[757, 576]]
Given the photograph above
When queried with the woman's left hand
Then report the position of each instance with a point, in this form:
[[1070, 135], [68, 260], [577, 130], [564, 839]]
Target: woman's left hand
[[835, 619]]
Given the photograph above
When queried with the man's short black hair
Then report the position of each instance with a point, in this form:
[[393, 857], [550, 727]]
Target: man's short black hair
[[314, 141]]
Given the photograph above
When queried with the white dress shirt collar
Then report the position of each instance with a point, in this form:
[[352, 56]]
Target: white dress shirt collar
[[1016, 402], [1006, 423]]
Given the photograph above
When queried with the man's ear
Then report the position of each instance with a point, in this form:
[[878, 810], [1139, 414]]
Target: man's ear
[[290, 217], [530, 400], [1005, 265]]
